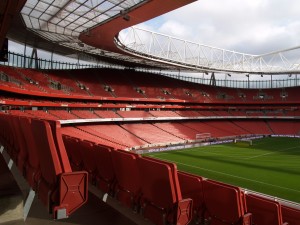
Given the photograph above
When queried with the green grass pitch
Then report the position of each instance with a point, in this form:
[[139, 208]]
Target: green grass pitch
[[270, 165]]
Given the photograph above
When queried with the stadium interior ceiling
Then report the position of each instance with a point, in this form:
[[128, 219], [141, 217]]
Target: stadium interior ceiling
[[28, 27]]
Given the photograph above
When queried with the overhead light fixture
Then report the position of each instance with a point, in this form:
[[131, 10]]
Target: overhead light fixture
[[228, 74], [262, 75], [206, 73], [126, 17]]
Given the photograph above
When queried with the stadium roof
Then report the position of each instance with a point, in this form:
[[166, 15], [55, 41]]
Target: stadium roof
[[56, 25], [90, 28]]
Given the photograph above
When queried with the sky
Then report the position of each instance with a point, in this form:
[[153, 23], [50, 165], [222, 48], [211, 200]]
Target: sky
[[248, 26]]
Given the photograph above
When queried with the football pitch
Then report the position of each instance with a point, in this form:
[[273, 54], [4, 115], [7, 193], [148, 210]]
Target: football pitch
[[270, 165]]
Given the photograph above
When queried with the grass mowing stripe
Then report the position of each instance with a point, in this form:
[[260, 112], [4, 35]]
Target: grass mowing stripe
[[230, 175], [270, 153]]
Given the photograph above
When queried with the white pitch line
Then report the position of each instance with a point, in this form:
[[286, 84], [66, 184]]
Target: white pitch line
[[230, 175], [270, 153]]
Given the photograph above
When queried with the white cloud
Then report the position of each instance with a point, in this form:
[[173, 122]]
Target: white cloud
[[250, 26], [175, 28]]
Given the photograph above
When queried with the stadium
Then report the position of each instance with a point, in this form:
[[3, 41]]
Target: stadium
[[103, 121]]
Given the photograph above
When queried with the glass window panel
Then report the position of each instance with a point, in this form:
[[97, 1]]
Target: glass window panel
[[51, 27], [105, 6], [31, 3], [42, 6], [92, 14], [27, 21], [26, 10], [82, 10], [36, 13], [59, 3], [71, 7], [52, 10], [90, 24], [35, 23], [45, 17], [100, 18]]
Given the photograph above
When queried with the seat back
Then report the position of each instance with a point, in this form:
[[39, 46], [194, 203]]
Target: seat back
[[32, 166], [264, 211], [104, 168], [21, 144], [191, 187], [87, 151], [173, 168], [222, 202], [290, 215], [73, 151], [127, 171], [49, 161], [127, 177]]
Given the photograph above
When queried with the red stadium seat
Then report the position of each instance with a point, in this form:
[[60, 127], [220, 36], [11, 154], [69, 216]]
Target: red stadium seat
[[264, 211], [224, 204], [58, 185], [105, 175], [94, 158], [128, 187], [20, 144], [74, 154], [87, 151], [32, 169], [290, 215], [39, 153], [161, 199], [191, 187]]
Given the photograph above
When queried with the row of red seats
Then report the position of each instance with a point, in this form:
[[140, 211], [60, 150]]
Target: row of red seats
[[151, 134], [160, 193], [220, 203], [79, 133], [284, 127], [87, 114], [255, 126], [110, 83], [146, 185], [37, 148], [139, 134]]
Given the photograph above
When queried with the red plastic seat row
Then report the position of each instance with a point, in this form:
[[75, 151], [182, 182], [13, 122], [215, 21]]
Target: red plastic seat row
[[217, 203], [94, 158], [80, 134], [127, 83], [160, 193], [37, 148], [146, 185], [214, 203]]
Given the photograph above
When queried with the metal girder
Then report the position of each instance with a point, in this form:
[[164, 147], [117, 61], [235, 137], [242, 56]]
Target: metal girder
[[160, 47]]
